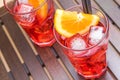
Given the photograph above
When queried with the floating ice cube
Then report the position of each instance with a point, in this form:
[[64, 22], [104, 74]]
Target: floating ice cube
[[27, 17], [25, 8], [78, 44], [96, 34]]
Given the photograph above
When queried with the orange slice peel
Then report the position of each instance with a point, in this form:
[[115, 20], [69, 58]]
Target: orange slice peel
[[42, 11], [69, 23]]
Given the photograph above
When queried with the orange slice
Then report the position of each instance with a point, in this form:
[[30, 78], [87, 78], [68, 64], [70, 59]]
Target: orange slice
[[42, 12], [69, 23]]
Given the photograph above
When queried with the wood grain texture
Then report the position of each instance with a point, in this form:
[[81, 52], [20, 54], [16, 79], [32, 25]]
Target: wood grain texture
[[113, 59], [52, 64], [28, 55], [3, 72], [111, 10], [114, 36]]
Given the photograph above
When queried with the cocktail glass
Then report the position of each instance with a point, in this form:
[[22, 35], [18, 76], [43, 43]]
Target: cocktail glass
[[90, 60], [35, 17]]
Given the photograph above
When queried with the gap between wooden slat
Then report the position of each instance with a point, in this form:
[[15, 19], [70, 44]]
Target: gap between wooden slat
[[76, 2], [114, 39], [48, 74], [114, 48], [13, 44], [63, 66], [10, 74], [117, 2], [58, 4], [4, 62], [111, 73]]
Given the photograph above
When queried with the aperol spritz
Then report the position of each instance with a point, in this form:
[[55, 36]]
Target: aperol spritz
[[84, 39], [35, 17]]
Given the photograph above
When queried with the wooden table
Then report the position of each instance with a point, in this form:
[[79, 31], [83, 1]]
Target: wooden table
[[20, 59]]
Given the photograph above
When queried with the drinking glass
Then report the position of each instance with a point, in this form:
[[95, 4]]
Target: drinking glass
[[89, 62], [35, 17]]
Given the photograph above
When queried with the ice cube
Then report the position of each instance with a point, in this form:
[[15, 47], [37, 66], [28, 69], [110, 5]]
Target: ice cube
[[96, 34], [76, 42], [25, 18], [24, 8]]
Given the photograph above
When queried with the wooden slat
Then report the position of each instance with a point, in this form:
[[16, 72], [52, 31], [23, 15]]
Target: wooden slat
[[114, 36], [11, 58], [113, 59], [3, 72], [52, 64], [66, 4], [111, 9], [26, 51]]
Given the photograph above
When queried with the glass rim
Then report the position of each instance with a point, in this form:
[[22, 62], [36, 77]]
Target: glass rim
[[14, 13], [91, 47]]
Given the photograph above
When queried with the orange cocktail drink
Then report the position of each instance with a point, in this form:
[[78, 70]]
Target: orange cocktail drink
[[84, 39]]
